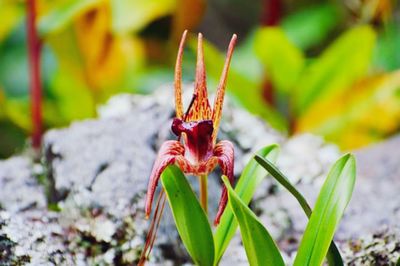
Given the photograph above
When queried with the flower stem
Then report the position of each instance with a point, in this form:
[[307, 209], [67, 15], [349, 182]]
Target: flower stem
[[203, 192], [35, 78]]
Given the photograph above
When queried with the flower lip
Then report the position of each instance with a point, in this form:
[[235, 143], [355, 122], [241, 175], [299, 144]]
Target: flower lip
[[200, 128], [197, 139]]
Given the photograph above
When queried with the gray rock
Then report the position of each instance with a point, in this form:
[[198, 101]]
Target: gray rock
[[97, 172], [33, 237], [102, 166], [17, 175], [376, 198], [380, 248]]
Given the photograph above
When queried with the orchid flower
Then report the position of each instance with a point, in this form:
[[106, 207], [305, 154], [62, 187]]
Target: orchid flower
[[196, 151]]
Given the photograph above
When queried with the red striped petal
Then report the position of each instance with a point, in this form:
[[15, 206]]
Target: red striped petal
[[225, 154], [166, 156]]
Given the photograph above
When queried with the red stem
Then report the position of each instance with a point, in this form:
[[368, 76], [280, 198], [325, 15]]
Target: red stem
[[270, 16], [268, 91], [271, 13], [34, 72]]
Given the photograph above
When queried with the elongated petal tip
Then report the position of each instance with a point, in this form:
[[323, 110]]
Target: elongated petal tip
[[219, 98], [201, 107], [178, 77], [232, 45], [221, 207], [147, 207]]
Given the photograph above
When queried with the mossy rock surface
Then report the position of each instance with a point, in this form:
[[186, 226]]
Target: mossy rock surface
[[83, 203]]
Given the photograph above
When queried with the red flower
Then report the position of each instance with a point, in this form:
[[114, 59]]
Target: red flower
[[196, 151]]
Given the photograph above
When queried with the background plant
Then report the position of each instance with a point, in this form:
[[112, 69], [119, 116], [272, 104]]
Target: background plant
[[301, 58]]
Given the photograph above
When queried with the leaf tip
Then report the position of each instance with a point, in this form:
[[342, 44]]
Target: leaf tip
[[226, 181]]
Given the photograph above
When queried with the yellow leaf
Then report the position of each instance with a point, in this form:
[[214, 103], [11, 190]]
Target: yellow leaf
[[106, 56], [188, 15], [17, 110], [90, 51], [134, 15], [11, 13], [340, 65], [365, 112]]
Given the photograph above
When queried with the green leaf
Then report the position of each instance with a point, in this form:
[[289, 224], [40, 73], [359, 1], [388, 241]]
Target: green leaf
[[134, 15], [13, 138], [150, 79], [334, 257], [331, 203], [246, 186], [74, 98], [279, 176], [190, 219], [260, 247], [61, 14], [312, 25], [17, 110], [386, 56], [280, 57], [345, 61]]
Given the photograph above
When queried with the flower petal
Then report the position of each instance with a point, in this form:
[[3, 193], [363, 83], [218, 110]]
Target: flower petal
[[225, 154], [178, 78], [219, 98], [201, 109], [167, 155]]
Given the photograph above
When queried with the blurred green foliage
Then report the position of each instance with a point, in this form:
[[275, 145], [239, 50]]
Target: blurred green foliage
[[327, 67]]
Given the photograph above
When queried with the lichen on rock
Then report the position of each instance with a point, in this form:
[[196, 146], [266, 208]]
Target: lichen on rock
[[89, 208]]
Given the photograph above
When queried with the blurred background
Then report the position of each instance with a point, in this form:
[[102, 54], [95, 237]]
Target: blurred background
[[326, 67]]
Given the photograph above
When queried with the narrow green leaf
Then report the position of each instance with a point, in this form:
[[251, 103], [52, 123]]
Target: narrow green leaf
[[331, 203], [246, 186], [334, 257], [190, 219], [260, 247], [279, 176]]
